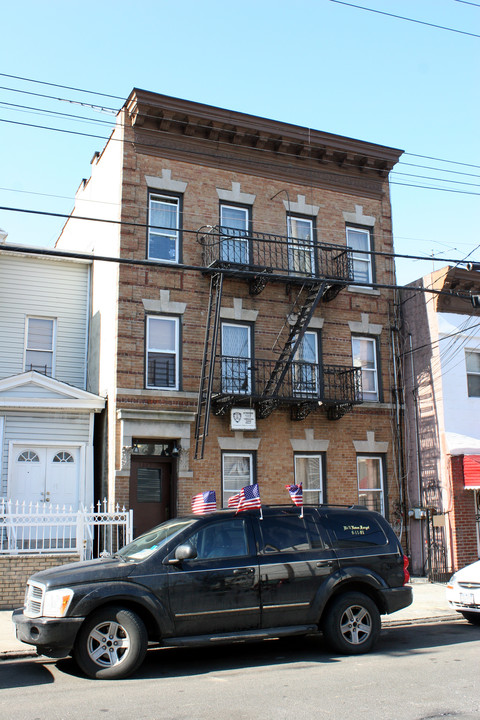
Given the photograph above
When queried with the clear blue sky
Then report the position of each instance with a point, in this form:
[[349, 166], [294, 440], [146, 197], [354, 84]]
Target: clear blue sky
[[314, 63]]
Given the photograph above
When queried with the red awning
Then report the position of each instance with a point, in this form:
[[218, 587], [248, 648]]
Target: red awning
[[471, 471]]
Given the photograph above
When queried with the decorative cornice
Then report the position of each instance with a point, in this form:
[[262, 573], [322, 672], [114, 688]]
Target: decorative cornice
[[175, 128]]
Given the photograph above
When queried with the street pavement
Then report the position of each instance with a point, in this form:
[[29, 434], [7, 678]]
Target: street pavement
[[429, 605]]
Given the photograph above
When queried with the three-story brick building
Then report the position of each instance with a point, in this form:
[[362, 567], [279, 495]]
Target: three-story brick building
[[244, 333]]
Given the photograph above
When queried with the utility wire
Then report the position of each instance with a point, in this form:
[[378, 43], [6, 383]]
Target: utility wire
[[161, 264], [402, 17], [102, 137], [129, 223], [117, 97]]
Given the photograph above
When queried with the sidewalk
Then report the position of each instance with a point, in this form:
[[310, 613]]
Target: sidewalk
[[429, 605]]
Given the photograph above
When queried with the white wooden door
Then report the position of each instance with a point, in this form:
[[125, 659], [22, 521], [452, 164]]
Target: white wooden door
[[45, 474]]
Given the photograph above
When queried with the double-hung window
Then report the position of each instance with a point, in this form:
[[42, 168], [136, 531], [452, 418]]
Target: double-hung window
[[309, 472], [164, 228], [360, 242], [237, 472], [234, 228], [305, 367], [364, 352], [472, 362], [301, 250], [40, 345], [163, 352], [236, 359], [370, 482]]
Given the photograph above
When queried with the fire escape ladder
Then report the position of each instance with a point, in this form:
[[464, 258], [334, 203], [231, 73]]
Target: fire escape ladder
[[295, 337], [208, 364]]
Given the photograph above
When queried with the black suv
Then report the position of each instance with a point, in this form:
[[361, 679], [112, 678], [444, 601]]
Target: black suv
[[221, 577]]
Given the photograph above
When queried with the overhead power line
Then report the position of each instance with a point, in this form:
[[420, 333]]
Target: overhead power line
[[159, 264], [402, 17], [129, 223], [64, 87]]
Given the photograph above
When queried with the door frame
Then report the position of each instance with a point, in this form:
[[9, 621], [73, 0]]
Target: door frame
[[85, 496]]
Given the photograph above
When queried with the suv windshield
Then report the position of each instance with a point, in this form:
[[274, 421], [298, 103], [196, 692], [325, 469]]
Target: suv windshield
[[143, 546]]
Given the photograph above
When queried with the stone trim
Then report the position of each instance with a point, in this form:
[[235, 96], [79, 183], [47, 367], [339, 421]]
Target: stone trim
[[300, 207], [239, 442], [310, 444], [164, 306], [238, 312], [358, 218], [365, 327], [165, 182], [235, 195], [315, 323], [370, 445]]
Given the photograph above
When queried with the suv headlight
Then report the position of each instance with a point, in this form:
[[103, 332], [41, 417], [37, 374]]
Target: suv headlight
[[57, 602]]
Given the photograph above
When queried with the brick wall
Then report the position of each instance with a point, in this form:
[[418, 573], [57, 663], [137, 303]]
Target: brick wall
[[15, 571], [462, 518]]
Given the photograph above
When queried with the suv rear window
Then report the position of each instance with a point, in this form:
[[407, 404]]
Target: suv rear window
[[348, 530]]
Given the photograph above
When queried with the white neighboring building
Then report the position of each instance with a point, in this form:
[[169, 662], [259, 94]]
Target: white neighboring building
[[46, 414], [441, 352]]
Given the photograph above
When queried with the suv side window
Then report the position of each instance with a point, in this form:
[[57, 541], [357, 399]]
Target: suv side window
[[350, 531], [227, 538], [288, 534]]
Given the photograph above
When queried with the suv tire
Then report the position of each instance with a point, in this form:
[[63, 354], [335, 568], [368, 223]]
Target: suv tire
[[352, 624], [111, 644]]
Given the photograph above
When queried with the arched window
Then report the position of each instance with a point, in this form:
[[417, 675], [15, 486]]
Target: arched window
[[63, 457], [28, 456]]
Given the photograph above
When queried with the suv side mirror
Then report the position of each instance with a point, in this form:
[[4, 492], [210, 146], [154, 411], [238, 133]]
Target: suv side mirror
[[183, 552]]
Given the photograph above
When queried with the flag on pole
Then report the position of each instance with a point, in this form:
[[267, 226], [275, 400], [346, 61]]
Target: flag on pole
[[234, 500], [296, 494], [249, 498], [204, 502]]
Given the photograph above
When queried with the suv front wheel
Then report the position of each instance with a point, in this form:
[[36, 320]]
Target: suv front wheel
[[111, 644], [352, 624]]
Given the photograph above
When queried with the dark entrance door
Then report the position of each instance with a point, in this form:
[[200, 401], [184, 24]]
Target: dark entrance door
[[150, 492]]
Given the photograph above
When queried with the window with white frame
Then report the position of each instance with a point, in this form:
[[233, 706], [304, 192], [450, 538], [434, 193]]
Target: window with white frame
[[472, 363], [236, 358], [305, 368], [234, 226], [301, 251], [237, 472], [364, 353], [309, 472], [40, 345], [370, 482], [163, 352], [164, 228], [359, 240]]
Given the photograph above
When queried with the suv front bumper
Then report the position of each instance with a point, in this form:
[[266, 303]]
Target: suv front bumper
[[53, 637]]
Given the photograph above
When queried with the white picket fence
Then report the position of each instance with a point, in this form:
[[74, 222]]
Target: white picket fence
[[43, 528]]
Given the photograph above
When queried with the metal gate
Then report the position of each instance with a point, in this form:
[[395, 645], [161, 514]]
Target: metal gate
[[438, 564]]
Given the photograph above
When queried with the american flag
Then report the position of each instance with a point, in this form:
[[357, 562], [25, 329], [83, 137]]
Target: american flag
[[296, 493], [233, 501], [249, 498], [204, 502]]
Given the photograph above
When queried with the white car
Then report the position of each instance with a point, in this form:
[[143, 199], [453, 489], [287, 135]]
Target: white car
[[463, 592]]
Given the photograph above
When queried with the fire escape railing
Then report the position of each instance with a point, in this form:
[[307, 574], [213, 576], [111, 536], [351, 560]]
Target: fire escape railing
[[285, 257], [243, 381]]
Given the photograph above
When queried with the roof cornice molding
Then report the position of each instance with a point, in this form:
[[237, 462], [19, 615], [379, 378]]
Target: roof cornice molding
[[159, 121]]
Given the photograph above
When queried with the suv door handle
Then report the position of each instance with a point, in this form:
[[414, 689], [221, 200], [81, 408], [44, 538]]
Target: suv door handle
[[325, 563], [243, 571]]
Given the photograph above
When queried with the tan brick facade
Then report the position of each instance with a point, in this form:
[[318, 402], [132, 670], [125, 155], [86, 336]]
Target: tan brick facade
[[210, 152]]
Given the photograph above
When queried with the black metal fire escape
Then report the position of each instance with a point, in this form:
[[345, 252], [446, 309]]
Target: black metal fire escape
[[208, 364], [285, 359]]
